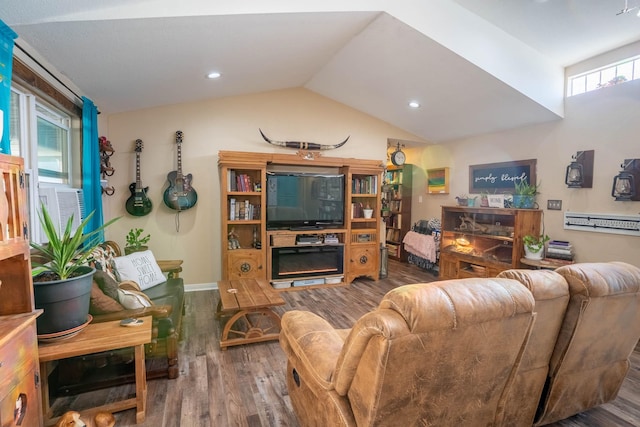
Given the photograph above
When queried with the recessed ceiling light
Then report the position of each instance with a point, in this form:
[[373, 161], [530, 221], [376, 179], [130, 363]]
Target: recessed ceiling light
[[414, 104], [213, 75]]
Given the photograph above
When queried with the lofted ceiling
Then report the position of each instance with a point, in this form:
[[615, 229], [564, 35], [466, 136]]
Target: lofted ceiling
[[475, 66]]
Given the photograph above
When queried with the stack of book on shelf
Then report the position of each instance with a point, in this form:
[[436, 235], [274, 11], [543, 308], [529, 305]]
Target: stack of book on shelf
[[560, 250], [243, 210]]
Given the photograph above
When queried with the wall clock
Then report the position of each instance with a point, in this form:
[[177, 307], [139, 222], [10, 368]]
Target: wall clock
[[398, 157]]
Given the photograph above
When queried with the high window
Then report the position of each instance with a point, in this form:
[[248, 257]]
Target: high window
[[609, 75]]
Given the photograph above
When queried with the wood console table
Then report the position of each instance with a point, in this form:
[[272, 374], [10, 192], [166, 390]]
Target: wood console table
[[96, 338], [248, 301]]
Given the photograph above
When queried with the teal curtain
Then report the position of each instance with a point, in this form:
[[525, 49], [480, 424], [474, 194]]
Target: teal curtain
[[91, 167], [6, 66]]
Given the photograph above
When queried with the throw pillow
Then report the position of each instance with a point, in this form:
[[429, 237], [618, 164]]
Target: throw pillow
[[107, 284], [101, 259], [132, 300], [99, 303], [141, 267]]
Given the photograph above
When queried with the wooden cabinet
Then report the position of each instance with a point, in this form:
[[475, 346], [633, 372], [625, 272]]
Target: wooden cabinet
[[338, 253], [482, 242], [20, 400], [396, 195], [245, 264]]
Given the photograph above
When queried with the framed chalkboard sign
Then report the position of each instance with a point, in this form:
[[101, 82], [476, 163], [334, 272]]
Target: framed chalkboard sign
[[500, 177]]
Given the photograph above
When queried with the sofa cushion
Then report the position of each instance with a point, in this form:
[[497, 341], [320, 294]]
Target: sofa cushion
[[141, 267]]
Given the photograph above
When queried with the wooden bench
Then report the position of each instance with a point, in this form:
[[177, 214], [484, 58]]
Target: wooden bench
[[248, 302]]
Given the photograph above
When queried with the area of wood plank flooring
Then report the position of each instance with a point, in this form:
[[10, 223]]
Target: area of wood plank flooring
[[245, 385]]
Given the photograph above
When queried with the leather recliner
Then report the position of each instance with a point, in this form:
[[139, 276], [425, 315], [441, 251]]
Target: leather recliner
[[441, 353], [599, 332], [551, 293]]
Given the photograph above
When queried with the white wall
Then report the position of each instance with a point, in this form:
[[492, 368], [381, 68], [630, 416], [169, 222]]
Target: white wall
[[210, 126], [607, 121]]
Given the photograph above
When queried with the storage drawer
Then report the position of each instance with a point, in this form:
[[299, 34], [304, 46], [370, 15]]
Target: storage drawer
[[18, 356]]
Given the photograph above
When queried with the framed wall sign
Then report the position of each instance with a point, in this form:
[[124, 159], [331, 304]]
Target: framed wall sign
[[500, 177], [438, 181]]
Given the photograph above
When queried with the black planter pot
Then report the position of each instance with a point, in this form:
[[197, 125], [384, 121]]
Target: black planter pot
[[65, 302]]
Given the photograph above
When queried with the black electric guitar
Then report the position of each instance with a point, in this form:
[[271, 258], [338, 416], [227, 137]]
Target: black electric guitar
[[138, 204], [180, 195]]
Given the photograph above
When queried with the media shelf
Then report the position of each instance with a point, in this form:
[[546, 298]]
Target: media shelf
[[251, 250]]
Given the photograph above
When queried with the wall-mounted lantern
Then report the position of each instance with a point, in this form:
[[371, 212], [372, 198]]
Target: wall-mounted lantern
[[579, 173], [625, 183]]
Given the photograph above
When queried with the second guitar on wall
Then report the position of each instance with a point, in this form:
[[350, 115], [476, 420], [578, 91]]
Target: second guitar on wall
[[180, 195]]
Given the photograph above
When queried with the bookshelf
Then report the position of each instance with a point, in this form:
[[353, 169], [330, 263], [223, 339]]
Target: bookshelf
[[396, 195]]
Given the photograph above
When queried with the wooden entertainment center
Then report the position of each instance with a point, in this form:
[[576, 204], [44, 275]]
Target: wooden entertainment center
[[298, 257]]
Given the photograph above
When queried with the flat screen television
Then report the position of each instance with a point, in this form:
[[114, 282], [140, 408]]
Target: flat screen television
[[304, 200]]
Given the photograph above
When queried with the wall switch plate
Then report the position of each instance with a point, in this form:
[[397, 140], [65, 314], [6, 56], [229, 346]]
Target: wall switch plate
[[554, 205]]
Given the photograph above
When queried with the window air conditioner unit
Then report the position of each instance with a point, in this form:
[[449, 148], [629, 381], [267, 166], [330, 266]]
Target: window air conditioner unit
[[62, 203]]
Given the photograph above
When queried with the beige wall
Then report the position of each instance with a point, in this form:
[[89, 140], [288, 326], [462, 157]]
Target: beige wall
[[210, 126], [607, 121]]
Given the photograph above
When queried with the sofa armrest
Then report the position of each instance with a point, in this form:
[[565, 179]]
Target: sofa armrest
[[312, 343], [173, 267], [158, 312]]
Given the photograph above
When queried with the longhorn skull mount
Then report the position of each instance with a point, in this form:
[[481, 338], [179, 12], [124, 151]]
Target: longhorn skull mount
[[301, 145]]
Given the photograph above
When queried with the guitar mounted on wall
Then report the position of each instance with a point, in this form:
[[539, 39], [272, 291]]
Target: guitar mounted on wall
[[138, 204], [180, 195]]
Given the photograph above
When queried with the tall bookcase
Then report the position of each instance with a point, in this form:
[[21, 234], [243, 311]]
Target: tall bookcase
[[249, 250], [396, 192], [19, 369], [243, 220], [364, 251]]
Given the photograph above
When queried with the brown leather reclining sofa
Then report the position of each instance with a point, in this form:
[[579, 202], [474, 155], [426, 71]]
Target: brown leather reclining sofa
[[484, 351]]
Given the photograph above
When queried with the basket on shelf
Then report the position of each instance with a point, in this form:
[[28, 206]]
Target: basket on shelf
[[283, 240]]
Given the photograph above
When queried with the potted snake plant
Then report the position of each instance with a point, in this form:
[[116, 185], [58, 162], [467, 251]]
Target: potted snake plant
[[61, 279]]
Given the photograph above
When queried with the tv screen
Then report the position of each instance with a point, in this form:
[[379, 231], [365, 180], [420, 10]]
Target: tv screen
[[302, 200]]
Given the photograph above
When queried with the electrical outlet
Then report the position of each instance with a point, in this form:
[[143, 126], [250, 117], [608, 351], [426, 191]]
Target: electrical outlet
[[554, 205]]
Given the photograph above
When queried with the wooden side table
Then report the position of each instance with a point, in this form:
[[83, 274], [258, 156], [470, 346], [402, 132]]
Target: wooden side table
[[96, 338], [546, 263]]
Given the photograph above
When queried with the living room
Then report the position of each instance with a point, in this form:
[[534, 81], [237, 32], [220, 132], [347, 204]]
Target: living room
[[603, 120]]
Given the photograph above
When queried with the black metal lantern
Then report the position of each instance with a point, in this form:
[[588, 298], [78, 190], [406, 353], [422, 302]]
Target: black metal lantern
[[574, 176], [624, 187], [579, 173]]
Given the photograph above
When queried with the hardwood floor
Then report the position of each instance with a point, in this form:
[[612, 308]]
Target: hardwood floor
[[245, 385]]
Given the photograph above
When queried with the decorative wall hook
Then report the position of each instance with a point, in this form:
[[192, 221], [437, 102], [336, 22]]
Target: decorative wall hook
[[106, 151]]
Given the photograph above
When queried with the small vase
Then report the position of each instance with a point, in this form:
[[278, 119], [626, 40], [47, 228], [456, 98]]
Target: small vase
[[368, 213]]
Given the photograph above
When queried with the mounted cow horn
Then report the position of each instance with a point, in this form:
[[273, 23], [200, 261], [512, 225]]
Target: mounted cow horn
[[303, 145]]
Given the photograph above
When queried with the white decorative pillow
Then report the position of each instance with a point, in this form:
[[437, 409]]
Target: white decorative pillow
[[141, 267], [131, 300]]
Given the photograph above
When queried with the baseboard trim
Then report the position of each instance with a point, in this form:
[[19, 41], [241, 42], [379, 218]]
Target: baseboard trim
[[201, 287]]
